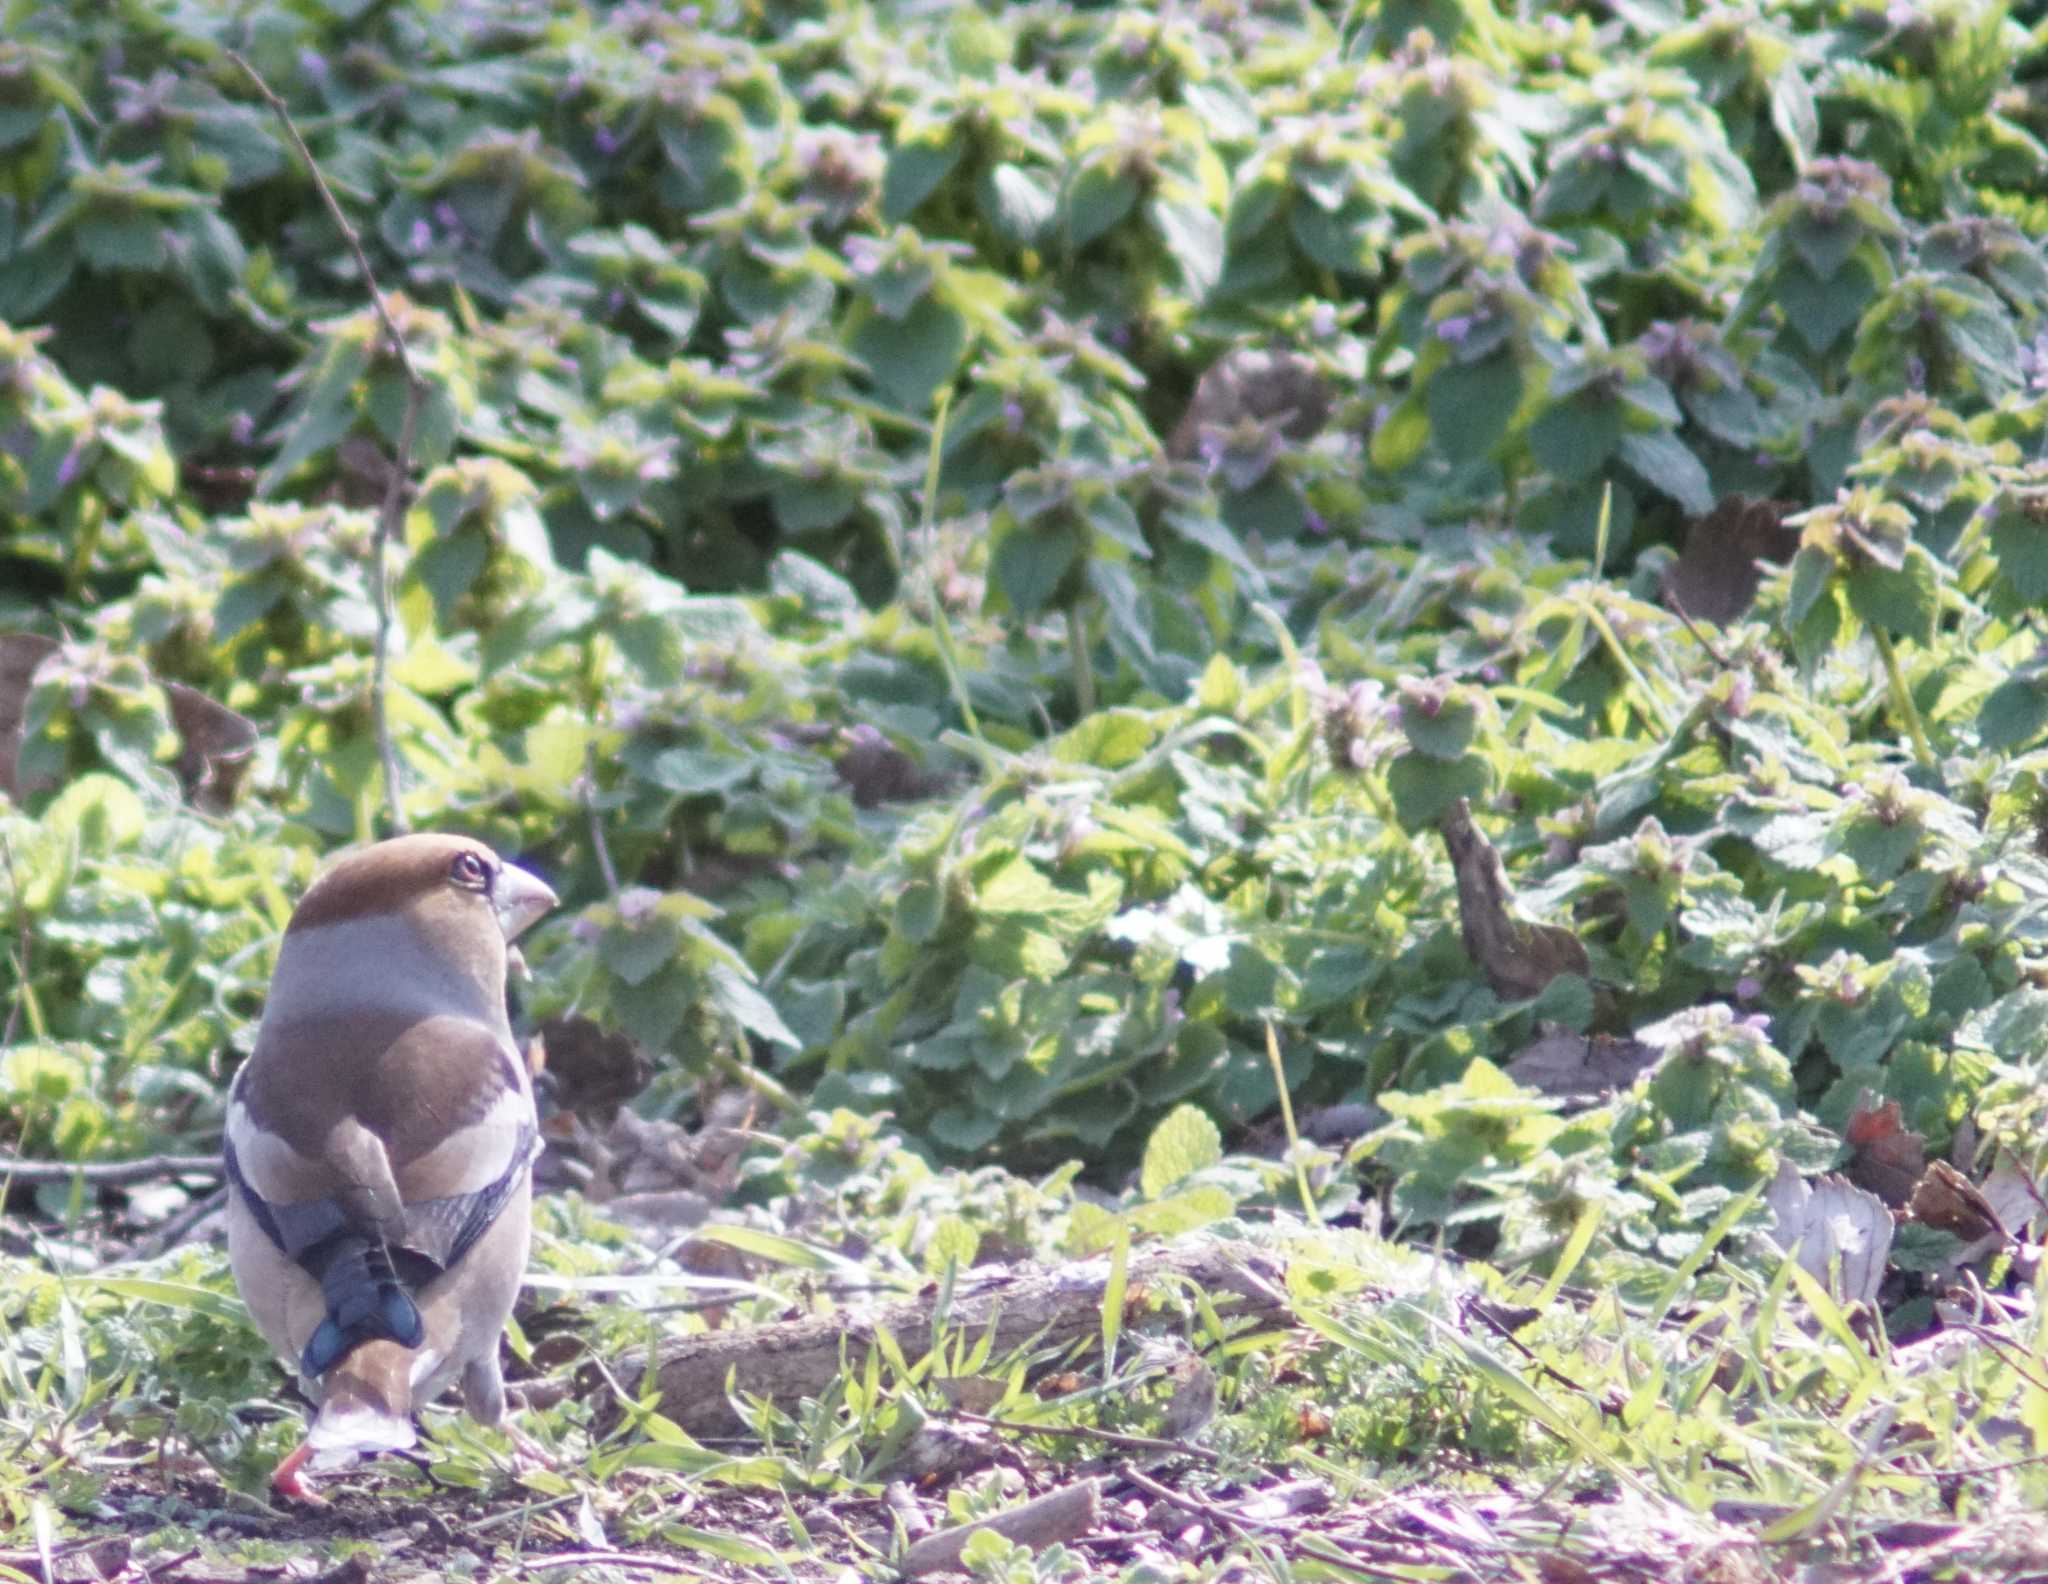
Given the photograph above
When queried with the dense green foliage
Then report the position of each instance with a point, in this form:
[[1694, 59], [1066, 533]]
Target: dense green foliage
[[810, 499]]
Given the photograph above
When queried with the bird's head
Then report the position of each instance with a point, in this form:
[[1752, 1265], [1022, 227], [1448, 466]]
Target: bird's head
[[448, 902]]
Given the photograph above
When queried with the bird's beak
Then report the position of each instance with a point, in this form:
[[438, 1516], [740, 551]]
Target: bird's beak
[[519, 899]]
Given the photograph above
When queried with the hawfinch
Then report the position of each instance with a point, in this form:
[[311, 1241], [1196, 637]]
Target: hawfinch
[[380, 1141]]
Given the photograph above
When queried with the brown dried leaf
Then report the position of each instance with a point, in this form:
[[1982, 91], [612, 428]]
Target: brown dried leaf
[[1518, 958], [1888, 1157], [1263, 384], [215, 744], [1716, 576], [20, 654], [1561, 1063], [2015, 1198], [879, 772], [1949, 1202], [591, 1070], [977, 1394]]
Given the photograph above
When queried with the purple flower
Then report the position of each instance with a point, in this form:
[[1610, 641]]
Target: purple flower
[[1322, 321], [606, 139], [1314, 521], [422, 236], [1013, 416], [445, 216], [72, 465], [2034, 363], [1456, 328], [1758, 1023], [1489, 673], [313, 64], [1748, 988]]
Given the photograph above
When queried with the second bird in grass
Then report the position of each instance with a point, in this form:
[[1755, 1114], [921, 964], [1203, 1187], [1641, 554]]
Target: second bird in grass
[[380, 1143]]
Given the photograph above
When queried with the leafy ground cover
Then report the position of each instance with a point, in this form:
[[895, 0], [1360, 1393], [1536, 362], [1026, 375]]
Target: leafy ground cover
[[1043, 580]]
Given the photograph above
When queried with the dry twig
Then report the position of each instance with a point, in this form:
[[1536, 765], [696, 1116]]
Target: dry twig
[[1221, 1517], [620, 1559], [391, 512], [1064, 1514], [1115, 1438], [172, 1232]]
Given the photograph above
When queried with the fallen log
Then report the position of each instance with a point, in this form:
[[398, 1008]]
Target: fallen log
[[699, 1376]]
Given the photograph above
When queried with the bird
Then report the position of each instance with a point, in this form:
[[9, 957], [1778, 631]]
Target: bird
[[379, 1145]]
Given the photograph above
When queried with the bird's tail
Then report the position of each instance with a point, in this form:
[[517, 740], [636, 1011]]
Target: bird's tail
[[366, 1302], [366, 1406]]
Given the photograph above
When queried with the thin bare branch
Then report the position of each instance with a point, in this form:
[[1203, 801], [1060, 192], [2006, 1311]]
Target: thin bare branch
[[1115, 1438], [391, 512], [109, 1174], [1064, 1514], [175, 1230]]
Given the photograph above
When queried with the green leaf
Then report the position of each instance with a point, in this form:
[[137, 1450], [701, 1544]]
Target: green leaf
[[1472, 404], [1184, 1143], [1574, 438], [1029, 564], [1439, 722], [2019, 537], [1018, 204], [741, 1000], [1821, 311], [911, 357], [1422, 786], [1095, 200], [915, 170], [1667, 464], [1813, 571], [1904, 603], [1402, 436], [2014, 712], [1175, 1215], [1193, 235]]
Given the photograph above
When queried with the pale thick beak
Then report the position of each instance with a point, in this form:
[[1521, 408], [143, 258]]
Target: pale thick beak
[[519, 899]]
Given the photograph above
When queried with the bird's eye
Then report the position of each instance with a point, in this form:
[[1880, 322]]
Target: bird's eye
[[469, 871]]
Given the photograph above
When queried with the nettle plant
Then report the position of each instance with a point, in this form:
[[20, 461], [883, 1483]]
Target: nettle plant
[[819, 553]]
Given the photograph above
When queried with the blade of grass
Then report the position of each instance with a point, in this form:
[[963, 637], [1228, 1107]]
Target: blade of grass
[[1113, 1299], [1308, 1198]]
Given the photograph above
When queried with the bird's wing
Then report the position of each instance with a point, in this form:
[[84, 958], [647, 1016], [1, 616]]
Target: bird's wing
[[377, 1173]]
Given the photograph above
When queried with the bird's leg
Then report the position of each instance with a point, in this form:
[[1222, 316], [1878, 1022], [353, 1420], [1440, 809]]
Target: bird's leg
[[483, 1394], [526, 1452], [289, 1483]]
